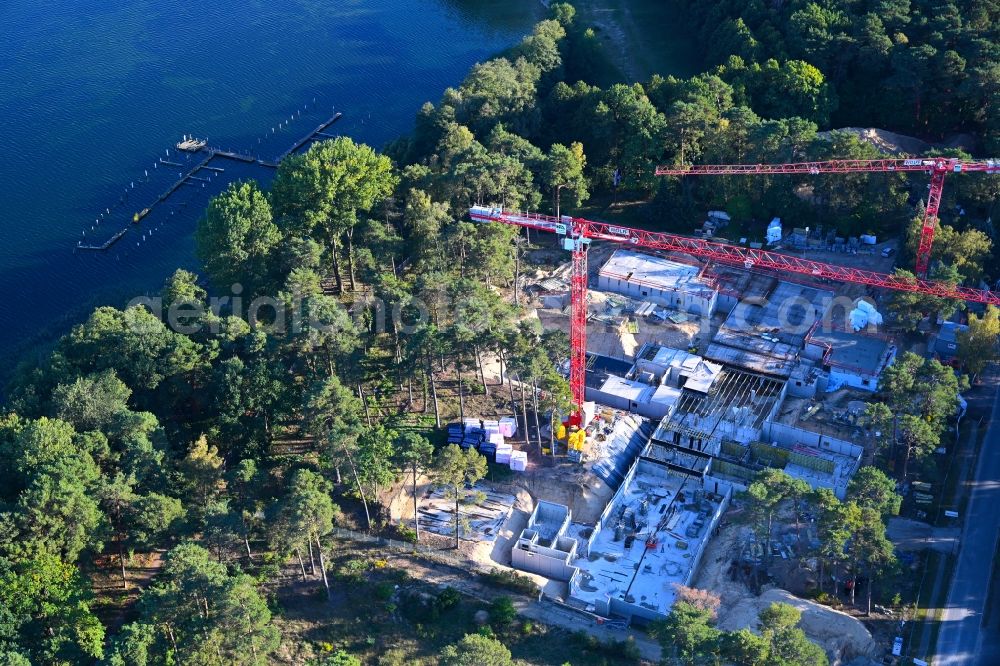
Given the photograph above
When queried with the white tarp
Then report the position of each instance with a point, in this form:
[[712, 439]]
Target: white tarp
[[774, 230], [864, 314]]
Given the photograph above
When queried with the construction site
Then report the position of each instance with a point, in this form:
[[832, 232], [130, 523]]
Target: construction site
[[694, 365], [710, 389]]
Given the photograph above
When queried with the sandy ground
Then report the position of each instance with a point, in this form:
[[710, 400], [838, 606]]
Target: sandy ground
[[842, 636]]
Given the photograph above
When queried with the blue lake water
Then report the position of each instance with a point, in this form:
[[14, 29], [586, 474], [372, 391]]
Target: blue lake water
[[92, 93]]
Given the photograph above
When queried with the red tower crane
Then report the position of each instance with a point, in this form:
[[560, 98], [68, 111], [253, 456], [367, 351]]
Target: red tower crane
[[578, 233], [938, 167]]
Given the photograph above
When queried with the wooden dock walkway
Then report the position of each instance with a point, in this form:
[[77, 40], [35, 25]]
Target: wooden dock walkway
[[187, 178], [304, 140], [105, 245]]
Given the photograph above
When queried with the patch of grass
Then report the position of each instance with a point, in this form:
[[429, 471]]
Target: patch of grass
[[927, 615]]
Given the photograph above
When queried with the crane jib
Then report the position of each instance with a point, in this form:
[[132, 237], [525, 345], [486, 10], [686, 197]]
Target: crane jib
[[734, 254]]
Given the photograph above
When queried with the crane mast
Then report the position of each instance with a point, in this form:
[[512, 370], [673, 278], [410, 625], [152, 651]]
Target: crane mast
[[578, 233]]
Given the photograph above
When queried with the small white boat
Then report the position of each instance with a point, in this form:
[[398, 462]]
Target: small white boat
[[191, 144]]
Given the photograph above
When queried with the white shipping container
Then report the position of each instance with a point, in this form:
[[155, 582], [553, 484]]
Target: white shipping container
[[503, 453], [508, 426], [518, 461]]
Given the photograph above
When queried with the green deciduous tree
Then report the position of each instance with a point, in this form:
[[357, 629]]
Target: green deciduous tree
[[688, 634], [871, 488], [455, 469], [137, 520], [54, 492], [134, 343], [202, 614], [768, 490], [91, 402], [977, 346], [305, 515], [236, 238], [476, 650], [833, 529], [869, 549], [45, 612], [789, 645], [908, 308], [634, 131], [320, 193], [566, 172], [415, 454]]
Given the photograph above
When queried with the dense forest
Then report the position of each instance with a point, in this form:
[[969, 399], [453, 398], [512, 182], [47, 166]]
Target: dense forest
[[335, 309], [935, 65]]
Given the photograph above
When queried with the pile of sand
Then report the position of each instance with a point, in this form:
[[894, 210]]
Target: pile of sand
[[842, 636]]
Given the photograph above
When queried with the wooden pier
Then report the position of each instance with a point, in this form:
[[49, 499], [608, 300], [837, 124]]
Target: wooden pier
[[192, 145], [304, 140], [105, 245]]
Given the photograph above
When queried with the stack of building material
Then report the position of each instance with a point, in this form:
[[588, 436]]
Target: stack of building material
[[491, 426], [489, 445], [508, 426], [473, 438], [518, 461], [455, 433], [472, 423], [503, 453]]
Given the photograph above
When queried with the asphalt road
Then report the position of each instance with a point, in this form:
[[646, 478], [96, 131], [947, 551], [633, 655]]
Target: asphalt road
[[966, 637]]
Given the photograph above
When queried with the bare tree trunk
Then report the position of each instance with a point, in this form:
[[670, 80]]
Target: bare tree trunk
[[302, 565], [409, 390], [434, 392], [869, 610], [524, 410], [517, 272], [416, 517], [361, 394], [173, 639], [253, 645], [461, 393], [482, 371], [336, 269], [423, 387], [350, 256], [505, 370], [246, 542], [312, 560], [121, 560], [361, 490], [458, 519], [534, 404], [322, 567]]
